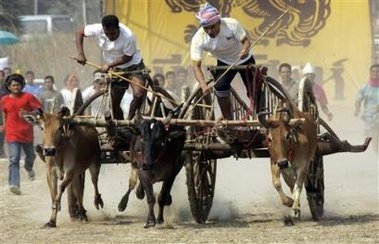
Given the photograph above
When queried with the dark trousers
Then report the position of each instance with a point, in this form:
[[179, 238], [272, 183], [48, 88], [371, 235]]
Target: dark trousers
[[2, 151], [253, 90], [117, 92], [119, 86]]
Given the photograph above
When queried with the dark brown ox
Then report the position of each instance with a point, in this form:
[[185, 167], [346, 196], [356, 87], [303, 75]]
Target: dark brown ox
[[292, 142], [155, 154], [68, 151]]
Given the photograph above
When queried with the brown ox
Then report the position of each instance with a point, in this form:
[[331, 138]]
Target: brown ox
[[68, 151], [292, 142]]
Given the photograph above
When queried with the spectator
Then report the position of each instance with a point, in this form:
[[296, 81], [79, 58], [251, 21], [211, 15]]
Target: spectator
[[182, 77], [227, 41], [369, 96], [159, 79], [18, 132], [51, 99], [96, 107], [296, 73], [7, 71], [309, 72], [291, 85], [90, 91], [182, 81], [72, 96], [30, 86], [120, 53], [171, 83]]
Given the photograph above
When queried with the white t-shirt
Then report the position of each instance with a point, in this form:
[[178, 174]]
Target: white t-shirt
[[226, 46], [125, 102], [69, 98], [95, 104], [88, 92], [125, 44]]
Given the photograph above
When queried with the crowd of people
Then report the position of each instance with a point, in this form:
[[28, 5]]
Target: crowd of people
[[224, 38]]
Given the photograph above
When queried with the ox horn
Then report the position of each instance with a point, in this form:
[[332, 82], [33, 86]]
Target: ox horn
[[168, 118], [172, 113], [288, 112], [262, 119], [296, 122]]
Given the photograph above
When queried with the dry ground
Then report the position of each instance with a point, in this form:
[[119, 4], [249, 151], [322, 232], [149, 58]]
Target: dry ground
[[246, 207]]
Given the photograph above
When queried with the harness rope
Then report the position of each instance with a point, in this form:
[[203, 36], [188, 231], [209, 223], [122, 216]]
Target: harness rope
[[110, 72]]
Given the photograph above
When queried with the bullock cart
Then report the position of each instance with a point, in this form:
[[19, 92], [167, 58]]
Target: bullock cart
[[209, 139]]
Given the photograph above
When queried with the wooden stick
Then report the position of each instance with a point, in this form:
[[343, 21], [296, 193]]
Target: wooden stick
[[253, 44], [183, 122]]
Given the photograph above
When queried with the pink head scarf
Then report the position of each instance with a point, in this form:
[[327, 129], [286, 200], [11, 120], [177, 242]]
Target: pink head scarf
[[207, 15]]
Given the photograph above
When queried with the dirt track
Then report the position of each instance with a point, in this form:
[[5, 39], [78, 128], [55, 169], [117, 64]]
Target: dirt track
[[246, 207]]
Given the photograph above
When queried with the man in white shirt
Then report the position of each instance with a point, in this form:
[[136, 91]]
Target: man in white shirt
[[291, 85], [227, 41], [120, 53], [97, 106], [72, 96]]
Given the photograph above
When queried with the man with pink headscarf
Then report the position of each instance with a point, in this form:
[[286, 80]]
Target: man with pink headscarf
[[227, 41]]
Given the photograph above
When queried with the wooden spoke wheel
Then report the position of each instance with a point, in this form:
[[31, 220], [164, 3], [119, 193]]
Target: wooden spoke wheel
[[201, 181], [200, 168], [314, 184], [315, 187]]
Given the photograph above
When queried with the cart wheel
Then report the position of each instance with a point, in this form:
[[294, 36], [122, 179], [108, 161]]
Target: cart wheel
[[200, 169], [314, 184], [201, 180], [315, 188]]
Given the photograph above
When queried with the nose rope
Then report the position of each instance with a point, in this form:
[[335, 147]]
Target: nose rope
[[290, 151]]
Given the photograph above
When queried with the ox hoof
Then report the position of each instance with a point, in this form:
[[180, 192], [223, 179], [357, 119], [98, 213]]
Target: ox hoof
[[160, 221], [98, 202], [74, 212], [82, 216], [149, 224], [122, 205], [288, 221], [50, 224]]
